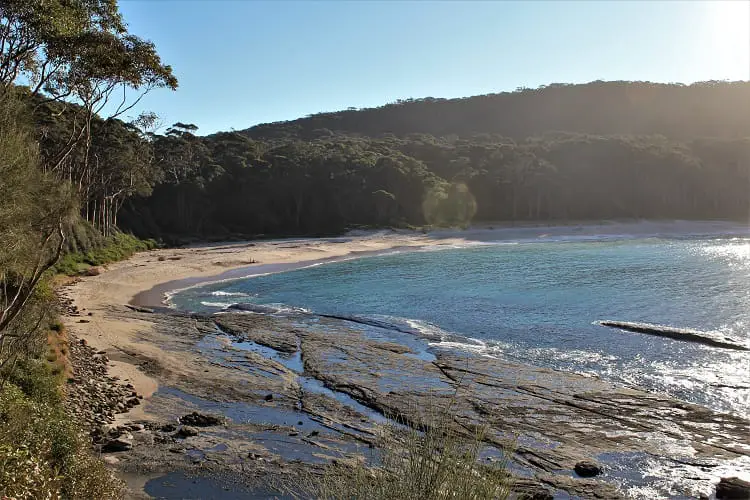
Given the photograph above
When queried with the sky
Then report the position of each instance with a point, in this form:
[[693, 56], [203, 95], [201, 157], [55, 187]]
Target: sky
[[245, 62]]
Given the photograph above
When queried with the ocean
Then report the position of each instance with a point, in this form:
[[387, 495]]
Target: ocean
[[537, 300]]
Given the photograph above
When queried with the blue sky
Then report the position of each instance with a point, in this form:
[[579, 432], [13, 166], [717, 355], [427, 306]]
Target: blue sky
[[246, 62]]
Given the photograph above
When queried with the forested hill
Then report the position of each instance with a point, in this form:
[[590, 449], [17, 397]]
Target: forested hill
[[706, 109], [562, 152], [579, 152]]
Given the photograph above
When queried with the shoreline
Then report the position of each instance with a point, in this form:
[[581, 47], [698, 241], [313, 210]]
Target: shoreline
[[158, 295], [146, 274], [149, 350], [145, 278]]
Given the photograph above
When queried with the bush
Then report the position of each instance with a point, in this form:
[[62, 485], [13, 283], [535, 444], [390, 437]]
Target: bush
[[115, 248], [42, 454], [436, 463]]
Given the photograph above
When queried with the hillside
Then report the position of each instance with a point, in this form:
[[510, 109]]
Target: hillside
[[563, 152], [707, 109]]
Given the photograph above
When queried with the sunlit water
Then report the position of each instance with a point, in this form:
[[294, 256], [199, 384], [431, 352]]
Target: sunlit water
[[537, 302]]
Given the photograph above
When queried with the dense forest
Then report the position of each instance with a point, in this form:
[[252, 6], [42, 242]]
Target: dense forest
[[561, 152], [600, 150], [603, 150]]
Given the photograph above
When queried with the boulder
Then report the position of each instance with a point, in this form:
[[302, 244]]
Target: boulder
[[733, 488], [92, 271], [587, 468], [200, 420], [117, 444], [168, 428], [186, 431]]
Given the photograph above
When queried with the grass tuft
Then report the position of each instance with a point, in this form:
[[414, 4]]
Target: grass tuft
[[439, 462]]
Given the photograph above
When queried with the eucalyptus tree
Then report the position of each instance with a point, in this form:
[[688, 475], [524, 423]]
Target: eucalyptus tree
[[78, 55]]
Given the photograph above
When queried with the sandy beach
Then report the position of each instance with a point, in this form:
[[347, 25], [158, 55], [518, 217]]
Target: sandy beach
[[153, 273]]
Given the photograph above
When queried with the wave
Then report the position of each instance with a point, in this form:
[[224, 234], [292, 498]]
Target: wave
[[220, 293], [222, 305], [265, 308]]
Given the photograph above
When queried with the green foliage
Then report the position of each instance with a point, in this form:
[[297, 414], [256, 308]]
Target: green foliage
[[436, 462], [42, 454], [118, 247], [34, 209]]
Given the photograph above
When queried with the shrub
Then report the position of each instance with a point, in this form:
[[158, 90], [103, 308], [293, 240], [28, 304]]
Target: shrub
[[42, 454], [115, 248], [438, 462]]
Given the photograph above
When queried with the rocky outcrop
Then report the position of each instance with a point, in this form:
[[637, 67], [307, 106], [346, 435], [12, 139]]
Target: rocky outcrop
[[684, 334], [117, 444], [553, 421], [186, 431], [200, 420], [561, 418], [587, 468], [264, 330], [733, 488]]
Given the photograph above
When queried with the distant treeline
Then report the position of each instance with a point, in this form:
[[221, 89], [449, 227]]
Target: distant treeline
[[562, 152]]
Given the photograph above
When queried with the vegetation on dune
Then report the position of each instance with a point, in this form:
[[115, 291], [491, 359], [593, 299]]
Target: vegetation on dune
[[117, 247]]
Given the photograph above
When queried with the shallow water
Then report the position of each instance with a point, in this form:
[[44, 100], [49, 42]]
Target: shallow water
[[178, 485], [537, 301]]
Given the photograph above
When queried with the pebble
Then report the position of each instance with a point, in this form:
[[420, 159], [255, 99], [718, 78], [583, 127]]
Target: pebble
[[93, 397]]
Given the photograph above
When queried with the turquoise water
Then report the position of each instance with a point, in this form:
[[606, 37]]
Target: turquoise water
[[537, 302]]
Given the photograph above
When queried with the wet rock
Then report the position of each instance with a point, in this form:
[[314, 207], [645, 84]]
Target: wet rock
[[264, 330], [684, 334], [269, 397], [733, 488], [168, 428], [139, 309], [587, 468], [200, 420], [529, 489], [186, 431], [117, 444]]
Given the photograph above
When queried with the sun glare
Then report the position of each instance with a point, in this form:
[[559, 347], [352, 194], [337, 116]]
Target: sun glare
[[730, 33]]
